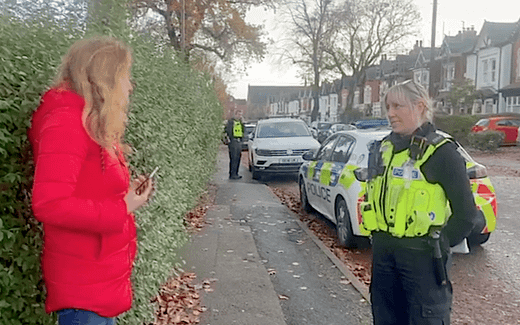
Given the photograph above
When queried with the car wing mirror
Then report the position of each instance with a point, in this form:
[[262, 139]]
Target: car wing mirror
[[361, 174], [309, 155]]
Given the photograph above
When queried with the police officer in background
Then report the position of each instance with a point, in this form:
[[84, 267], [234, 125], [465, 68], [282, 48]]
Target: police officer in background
[[234, 134], [419, 204]]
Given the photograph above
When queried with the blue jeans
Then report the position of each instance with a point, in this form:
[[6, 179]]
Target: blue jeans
[[82, 317]]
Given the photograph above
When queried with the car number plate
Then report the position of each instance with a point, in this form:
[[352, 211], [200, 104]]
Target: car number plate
[[289, 160]]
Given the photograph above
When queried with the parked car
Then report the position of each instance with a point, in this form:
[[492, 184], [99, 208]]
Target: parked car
[[248, 128], [322, 129], [339, 127], [276, 146], [372, 123], [328, 185], [506, 124]]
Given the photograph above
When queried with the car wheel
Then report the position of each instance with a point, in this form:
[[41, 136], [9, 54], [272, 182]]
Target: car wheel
[[255, 173], [343, 226], [478, 239], [303, 197]]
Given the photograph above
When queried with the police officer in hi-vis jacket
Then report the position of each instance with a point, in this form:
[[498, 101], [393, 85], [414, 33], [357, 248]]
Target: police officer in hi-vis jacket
[[418, 204], [234, 133]]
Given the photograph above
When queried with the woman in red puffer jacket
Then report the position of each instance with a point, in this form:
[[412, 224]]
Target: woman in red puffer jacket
[[82, 191]]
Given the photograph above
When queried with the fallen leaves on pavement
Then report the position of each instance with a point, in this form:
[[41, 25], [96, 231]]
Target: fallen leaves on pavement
[[195, 219], [178, 301], [357, 260]]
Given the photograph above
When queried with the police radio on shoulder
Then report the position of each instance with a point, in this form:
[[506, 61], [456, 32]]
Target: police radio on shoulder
[[137, 190]]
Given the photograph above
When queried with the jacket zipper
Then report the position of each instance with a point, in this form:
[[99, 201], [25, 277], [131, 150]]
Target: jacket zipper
[[382, 195]]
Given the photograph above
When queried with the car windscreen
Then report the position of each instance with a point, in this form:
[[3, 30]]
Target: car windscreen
[[483, 122], [282, 130], [324, 126]]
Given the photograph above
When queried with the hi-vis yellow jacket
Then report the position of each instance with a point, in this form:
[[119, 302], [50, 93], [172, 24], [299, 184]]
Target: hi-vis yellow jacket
[[238, 129], [401, 201]]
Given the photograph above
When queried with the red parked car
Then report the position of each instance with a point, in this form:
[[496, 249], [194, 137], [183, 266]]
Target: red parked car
[[506, 124]]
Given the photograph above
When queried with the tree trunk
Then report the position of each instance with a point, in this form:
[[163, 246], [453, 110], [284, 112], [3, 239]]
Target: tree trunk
[[316, 86]]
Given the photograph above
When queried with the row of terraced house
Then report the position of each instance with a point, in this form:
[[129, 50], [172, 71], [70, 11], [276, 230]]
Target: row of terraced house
[[488, 61]]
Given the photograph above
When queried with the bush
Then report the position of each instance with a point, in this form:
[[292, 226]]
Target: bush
[[458, 126], [29, 56], [175, 123], [487, 140]]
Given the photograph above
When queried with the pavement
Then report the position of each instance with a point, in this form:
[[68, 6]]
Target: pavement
[[225, 252]]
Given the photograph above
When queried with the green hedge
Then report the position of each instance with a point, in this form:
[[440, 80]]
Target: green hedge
[[29, 56], [174, 123], [458, 126], [487, 140]]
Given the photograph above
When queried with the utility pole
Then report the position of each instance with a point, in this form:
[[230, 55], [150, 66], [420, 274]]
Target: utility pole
[[432, 54], [183, 28]]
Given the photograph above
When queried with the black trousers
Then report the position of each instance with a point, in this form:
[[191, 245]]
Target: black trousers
[[404, 288], [235, 151]]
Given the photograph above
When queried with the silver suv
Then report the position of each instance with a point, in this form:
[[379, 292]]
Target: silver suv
[[277, 145]]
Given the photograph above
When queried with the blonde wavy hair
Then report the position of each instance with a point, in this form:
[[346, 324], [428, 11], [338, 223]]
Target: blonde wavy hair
[[94, 68], [412, 93]]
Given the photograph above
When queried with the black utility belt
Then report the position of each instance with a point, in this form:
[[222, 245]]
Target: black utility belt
[[422, 242]]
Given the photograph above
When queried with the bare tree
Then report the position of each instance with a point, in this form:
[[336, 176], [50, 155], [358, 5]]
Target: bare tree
[[368, 29], [312, 26]]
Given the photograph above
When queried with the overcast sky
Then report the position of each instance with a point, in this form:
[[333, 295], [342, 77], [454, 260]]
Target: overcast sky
[[452, 16]]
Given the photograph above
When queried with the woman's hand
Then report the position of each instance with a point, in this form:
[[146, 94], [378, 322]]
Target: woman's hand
[[135, 199]]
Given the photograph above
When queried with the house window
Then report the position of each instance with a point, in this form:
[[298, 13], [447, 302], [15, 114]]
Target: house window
[[489, 70], [513, 104], [488, 106], [368, 95], [518, 64], [417, 76], [485, 68], [425, 77], [493, 70], [448, 76]]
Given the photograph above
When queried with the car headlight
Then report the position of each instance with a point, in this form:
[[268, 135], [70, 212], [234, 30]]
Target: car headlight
[[262, 152], [477, 171]]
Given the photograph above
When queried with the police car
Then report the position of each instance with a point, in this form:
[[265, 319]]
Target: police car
[[328, 185]]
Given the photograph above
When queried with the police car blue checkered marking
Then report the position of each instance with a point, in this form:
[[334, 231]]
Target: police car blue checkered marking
[[316, 176], [336, 170]]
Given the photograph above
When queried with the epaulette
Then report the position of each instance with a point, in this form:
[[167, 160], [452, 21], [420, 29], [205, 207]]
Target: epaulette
[[418, 144]]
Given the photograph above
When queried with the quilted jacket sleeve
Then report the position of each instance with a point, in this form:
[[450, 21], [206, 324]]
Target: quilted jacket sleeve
[[62, 146], [447, 167]]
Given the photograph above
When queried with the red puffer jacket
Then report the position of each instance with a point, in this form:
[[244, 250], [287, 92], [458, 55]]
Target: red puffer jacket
[[78, 195]]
